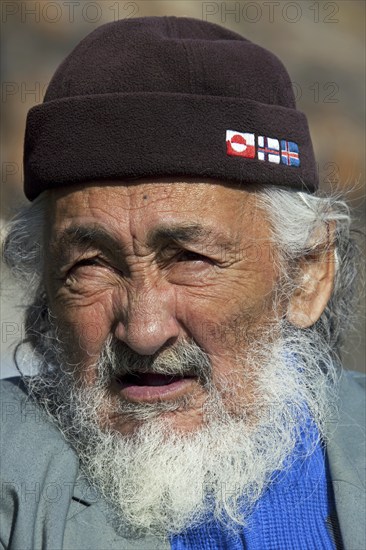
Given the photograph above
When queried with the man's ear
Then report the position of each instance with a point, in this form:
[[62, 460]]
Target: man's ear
[[315, 286]]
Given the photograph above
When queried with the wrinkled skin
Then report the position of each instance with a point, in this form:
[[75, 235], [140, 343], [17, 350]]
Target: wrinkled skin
[[213, 280]]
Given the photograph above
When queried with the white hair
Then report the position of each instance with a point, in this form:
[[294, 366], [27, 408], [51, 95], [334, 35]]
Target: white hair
[[303, 223]]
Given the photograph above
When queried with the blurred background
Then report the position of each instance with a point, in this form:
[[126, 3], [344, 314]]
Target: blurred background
[[321, 43]]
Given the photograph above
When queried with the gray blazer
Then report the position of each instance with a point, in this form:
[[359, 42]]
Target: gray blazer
[[45, 504]]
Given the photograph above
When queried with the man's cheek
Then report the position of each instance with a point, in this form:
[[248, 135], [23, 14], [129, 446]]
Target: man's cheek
[[83, 332], [225, 331], [91, 335]]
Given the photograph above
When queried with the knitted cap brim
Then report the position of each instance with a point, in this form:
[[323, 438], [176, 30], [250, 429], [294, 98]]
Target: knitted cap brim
[[118, 135]]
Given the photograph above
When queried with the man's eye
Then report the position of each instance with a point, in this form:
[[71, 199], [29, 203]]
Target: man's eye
[[188, 256], [88, 261], [95, 262]]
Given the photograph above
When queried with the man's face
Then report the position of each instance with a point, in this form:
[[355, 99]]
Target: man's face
[[154, 265]]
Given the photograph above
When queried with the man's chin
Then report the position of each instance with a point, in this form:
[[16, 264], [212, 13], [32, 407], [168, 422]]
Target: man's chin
[[184, 420], [158, 481], [180, 408]]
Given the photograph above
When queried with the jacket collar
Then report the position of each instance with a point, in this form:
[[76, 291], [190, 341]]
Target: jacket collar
[[346, 451]]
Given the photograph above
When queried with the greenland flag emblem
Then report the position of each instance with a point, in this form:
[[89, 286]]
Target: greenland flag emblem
[[240, 145]]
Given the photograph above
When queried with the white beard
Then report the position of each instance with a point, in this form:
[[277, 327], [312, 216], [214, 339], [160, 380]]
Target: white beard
[[160, 481]]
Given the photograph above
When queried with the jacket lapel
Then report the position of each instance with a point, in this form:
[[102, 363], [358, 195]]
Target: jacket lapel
[[347, 461], [87, 524]]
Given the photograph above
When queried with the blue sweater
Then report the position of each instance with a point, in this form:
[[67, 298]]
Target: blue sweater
[[291, 515]]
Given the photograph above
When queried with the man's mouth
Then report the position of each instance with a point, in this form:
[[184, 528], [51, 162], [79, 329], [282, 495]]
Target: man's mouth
[[151, 386]]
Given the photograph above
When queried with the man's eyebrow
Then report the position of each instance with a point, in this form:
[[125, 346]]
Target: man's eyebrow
[[84, 237], [181, 234]]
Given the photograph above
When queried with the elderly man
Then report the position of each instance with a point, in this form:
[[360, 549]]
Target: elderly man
[[188, 295]]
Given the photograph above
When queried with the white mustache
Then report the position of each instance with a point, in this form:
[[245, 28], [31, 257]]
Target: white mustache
[[185, 359]]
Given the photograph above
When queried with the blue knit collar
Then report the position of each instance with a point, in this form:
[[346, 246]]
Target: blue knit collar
[[292, 513]]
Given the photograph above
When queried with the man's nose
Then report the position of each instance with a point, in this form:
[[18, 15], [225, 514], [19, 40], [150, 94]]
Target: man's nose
[[149, 322]]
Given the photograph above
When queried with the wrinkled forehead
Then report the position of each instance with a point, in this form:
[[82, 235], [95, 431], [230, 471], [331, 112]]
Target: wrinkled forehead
[[146, 202]]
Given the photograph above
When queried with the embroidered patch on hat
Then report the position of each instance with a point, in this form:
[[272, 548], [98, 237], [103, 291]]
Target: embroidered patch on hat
[[269, 149], [290, 153], [240, 145]]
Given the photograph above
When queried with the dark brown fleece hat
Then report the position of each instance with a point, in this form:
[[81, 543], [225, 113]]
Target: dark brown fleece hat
[[168, 96]]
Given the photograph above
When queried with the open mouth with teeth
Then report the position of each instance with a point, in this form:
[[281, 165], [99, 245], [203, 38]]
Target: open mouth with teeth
[[149, 386]]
